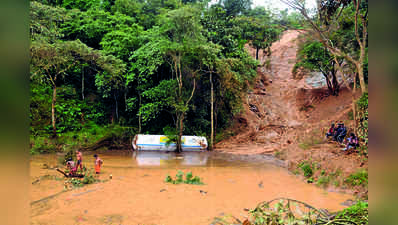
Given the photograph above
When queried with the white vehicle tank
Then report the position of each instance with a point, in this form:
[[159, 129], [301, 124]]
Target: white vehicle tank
[[148, 142]]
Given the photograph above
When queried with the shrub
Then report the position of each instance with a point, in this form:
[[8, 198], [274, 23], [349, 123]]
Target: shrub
[[357, 213], [306, 168], [358, 178], [323, 181], [189, 179]]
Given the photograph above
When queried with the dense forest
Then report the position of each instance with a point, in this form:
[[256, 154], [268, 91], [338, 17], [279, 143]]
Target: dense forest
[[101, 68], [114, 68]]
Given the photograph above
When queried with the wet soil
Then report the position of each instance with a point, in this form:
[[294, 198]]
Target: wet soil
[[288, 117]]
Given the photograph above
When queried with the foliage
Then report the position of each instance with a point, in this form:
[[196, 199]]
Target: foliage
[[307, 168], [357, 213], [236, 7], [363, 115], [291, 211], [45, 22], [189, 179], [358, 178], [96, 65], [70, 155], [88, 178], [323, 181], [313, 56]]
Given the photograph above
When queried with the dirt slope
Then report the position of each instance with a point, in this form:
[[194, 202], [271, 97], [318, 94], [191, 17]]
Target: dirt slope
[[288, 118]]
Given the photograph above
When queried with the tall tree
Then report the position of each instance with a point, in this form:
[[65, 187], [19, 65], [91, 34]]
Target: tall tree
[[184, 38], [315, 57], [236, 7], [331, 11], [259, 31], [50, 63]]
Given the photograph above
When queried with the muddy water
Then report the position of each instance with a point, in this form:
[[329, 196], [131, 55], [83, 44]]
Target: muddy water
[[137, 193]]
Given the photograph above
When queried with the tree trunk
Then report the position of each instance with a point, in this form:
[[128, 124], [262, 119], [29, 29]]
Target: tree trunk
[[354, 111], [330, 88], [180, 125], [335, 83], [139, 114], [212, 112], [361, 75], [257, 49], [83, 83], [53, 110], [116, 108]]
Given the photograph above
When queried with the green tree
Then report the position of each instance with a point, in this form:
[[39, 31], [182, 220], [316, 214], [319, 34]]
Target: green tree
[[331, 11], [315, 57], [51, 63], [259, 31], [183, 39], [45, 22], [236, 7]]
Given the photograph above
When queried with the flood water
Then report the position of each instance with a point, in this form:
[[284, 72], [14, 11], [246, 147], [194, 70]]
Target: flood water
[[137, 193]]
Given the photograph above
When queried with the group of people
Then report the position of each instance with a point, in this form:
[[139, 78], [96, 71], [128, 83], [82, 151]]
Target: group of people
[[79, 164], [338, 134]]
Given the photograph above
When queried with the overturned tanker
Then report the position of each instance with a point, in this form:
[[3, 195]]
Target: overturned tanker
[[162, 143]]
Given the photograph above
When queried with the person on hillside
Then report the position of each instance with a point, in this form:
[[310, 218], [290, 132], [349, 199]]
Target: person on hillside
[[341, 135], [351, 142], [337, 132], [79, 158], [98, 163], [331, 131]]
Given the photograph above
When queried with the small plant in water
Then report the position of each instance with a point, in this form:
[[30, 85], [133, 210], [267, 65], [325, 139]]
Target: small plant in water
[[307, 169], [189, 179], [89, 178]]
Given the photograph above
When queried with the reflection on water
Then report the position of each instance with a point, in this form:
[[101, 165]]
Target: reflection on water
[[151, 158]]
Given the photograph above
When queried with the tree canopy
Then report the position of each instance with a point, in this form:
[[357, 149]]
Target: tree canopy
[[149, 65]]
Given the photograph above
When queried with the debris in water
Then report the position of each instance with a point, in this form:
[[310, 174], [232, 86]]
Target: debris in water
[[260, 184], [36, 181]]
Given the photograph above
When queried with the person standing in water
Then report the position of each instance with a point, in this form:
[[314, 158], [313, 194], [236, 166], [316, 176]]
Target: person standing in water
[[98, 163], [79, 158]]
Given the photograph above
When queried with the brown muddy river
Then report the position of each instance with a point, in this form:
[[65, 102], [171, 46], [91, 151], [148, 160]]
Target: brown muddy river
[[137, 194]]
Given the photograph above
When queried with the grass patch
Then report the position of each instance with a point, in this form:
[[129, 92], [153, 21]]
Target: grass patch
[[306, 108], [357, 213], [267, 64], [358, 178], [323, 181], [350, 115], [189, 179], [304, 145], [306, 168], [310, 140], [290, 211], [280, 154]]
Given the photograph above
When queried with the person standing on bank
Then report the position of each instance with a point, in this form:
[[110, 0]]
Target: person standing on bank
[[98, 163], [79, 158]]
